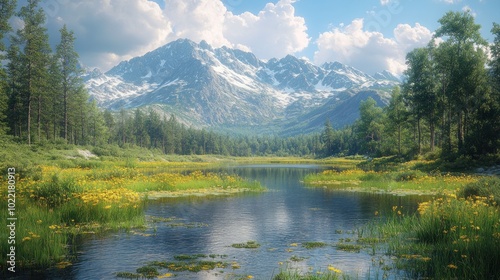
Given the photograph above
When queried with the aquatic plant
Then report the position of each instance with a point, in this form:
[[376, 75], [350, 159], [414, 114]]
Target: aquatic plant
[[314, 244], [247, 245]]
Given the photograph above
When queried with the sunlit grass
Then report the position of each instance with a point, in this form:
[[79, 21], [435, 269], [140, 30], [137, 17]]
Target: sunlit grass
[[412, 181]]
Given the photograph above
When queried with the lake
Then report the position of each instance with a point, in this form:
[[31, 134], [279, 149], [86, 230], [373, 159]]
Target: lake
[[280, 220]]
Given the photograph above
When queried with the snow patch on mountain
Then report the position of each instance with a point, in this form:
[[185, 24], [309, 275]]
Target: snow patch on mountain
[[217, 86]]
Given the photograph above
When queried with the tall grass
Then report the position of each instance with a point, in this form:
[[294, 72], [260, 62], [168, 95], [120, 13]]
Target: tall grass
[[332, 273], [449, 238]]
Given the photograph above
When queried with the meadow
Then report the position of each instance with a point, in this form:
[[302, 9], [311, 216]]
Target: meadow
[[402, 178], [60, 199]]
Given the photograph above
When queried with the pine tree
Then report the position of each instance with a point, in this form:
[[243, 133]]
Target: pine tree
[[69, 74], [328, 138], [6, 12], [35, 57]]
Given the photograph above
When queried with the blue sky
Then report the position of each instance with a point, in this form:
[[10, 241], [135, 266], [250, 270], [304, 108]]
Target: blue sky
[[372, 35]]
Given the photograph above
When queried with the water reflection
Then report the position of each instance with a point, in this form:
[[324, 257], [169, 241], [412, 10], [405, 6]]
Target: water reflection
[[288, 213]]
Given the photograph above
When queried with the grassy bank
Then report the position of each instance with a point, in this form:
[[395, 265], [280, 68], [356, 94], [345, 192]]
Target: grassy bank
[[404, 178], [454, 236], [61, 194]]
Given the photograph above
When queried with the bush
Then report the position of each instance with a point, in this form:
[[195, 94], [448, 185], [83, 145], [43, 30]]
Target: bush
[[485, 187], [408, 175], [55, 192]]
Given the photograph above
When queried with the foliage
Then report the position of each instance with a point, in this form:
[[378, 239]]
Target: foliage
[[449, 101], [485, 187]]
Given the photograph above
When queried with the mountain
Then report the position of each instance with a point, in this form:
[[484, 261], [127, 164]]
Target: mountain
[[223, 87]]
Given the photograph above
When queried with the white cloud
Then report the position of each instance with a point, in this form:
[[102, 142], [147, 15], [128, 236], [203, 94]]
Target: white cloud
[[197, 20], [209, 20], [468, 9], [274, 32], [451, 1], [110, 31], [370, 51]]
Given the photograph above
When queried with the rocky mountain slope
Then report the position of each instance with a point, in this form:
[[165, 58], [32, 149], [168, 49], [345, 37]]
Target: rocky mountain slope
[[223, 87]]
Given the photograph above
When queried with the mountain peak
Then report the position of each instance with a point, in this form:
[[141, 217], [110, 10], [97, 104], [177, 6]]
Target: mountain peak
[[206, 86]]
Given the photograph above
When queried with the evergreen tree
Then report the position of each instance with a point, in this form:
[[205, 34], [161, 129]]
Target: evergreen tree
[[69, 74], [16, 74], [6, 12], [328, 138], [35, 57]]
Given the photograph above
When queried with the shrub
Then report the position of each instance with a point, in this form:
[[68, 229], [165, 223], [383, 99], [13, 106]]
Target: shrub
[[408, 175], [55, 192], [485, 187]]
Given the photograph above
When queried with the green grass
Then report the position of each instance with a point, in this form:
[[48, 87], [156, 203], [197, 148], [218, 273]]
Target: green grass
[[60, 194], [355, 248], [403, 180], [449, 238], [290, 274]]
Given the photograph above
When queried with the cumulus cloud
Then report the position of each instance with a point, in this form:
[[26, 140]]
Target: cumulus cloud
[[274, 32], [209, 20], [197, 20], [370, 51], [109, 31]]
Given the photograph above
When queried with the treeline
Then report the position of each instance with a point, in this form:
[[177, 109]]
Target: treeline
[[150, 130], [449, 102]]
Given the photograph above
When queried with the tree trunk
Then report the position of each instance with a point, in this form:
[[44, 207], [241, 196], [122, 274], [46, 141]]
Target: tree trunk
[[39, 117], [433, 135], [419, 132]]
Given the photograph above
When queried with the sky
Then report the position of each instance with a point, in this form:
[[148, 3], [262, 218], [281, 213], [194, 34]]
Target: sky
[[371, 35]]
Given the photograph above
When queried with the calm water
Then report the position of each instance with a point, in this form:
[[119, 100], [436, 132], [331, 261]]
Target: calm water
[[288, 213]]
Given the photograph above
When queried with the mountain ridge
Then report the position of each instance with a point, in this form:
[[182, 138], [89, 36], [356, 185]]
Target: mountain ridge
[[218, 87]]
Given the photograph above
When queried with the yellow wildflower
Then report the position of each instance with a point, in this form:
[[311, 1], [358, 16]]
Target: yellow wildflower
[[334, 269]]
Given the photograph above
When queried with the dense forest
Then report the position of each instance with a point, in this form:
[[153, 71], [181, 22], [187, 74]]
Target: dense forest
[[448, 104]]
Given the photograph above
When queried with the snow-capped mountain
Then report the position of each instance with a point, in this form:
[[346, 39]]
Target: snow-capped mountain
[[208, 86]]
